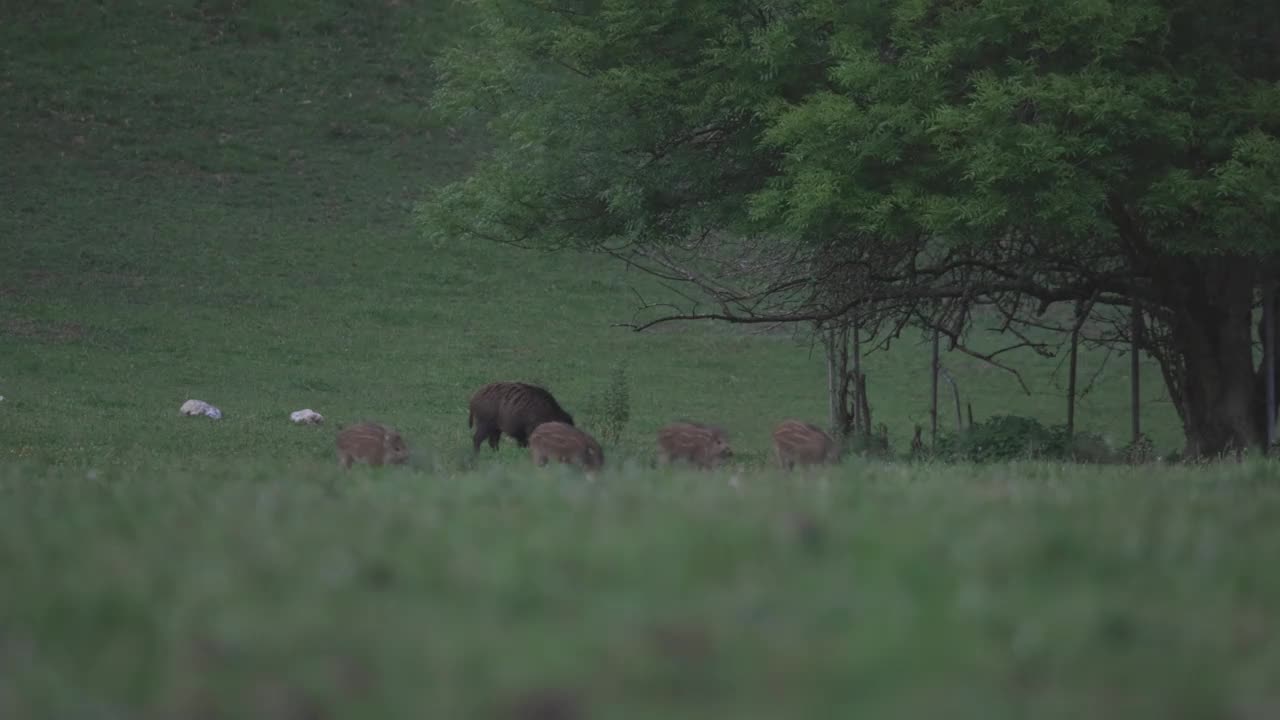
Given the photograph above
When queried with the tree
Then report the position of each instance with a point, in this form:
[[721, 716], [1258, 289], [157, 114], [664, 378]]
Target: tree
[[901, 162]]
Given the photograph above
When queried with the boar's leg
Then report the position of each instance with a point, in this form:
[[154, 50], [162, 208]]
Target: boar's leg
[[485, 431], [783, 461]]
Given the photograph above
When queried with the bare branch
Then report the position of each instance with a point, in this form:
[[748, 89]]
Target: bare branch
[[989, 359]]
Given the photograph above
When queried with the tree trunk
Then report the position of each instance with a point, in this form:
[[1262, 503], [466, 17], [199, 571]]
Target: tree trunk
[[1135, 372], [1267, 402], [846, 385], [1269, 359], [1071, 382], [1083, 310], [1211, 331], [863, 409], [849, 386], [864, 405], [933, 394], [833, 381], [955, 391]]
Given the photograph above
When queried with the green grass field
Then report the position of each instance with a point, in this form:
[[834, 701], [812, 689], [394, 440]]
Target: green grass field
[[279, 590], [215, 200]]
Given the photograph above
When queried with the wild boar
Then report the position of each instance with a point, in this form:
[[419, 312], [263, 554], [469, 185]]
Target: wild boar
[[371, 443], [514, 408], [704, 446], [565, 443], [796, 442]]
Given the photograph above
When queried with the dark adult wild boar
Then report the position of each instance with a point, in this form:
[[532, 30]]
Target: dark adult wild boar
[[704, 446], [371, 443], [800, 443], [564, 443], [514, 408]]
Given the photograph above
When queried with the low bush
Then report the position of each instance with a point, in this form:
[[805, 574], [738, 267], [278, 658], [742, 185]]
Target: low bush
[[1014, 437]]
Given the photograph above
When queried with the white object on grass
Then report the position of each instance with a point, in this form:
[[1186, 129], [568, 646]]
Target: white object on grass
[[306, 417], [200, 407]]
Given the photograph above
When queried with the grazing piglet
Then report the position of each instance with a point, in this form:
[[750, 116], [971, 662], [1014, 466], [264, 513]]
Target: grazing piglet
[[371, 443], [704, 446], [565, 443], [800, 443], [514, 408]]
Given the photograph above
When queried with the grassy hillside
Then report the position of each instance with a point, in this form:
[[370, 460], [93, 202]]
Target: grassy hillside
[[214, 200]]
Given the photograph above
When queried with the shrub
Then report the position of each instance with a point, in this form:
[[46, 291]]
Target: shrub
[[1013, 437], [1087, 447], [868, 445], [611, 408]]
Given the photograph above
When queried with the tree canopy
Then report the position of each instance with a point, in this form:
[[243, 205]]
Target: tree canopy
[[902, 160]]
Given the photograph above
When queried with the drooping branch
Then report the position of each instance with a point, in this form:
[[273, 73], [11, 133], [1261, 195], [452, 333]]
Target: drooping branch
[[796, 298]]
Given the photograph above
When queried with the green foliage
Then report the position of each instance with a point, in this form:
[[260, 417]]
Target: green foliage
[[623, 122], [1247, 189], [1139, 451], [882, 118], [1001, 438], [1030, 115], [610, 408], [1089, 447]]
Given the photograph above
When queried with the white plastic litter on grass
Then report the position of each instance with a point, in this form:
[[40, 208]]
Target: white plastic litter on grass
[[306, 417], [200, 407]]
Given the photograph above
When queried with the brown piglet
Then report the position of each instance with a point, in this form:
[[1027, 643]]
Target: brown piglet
[[703, 446], [371, 443], [796, 442], [565, 443]]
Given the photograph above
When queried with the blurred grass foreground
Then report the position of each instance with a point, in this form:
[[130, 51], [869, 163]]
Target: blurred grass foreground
[[1026, 590]]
